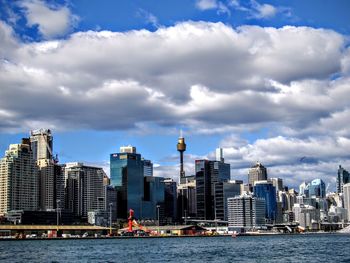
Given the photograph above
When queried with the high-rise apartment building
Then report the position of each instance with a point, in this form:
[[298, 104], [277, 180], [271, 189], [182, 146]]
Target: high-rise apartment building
[[84, 189], [246, 212], [147, 168], [50, 175], [342, 178], [257, 173], [19, 182], [187, 198]]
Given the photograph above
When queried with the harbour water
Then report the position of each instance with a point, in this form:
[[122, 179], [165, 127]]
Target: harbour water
[[280, 248]]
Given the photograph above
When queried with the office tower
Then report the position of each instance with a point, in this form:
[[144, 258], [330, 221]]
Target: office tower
[[346, 197], [208, 174], [153, 200], [245, 212], [317, 188], [127, 176], [265, 189], [170, 200], [19, 181], [147, 168], [84, 189], [304, 189], [187, 198], [342, 178], [111, 203], [181, 147], [256, 173], [223, 191]]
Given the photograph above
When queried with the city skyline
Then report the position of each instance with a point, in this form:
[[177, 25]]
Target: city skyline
[[265, 81]]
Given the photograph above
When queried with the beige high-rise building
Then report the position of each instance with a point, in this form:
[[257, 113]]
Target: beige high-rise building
[[346, 196], [19, 181], [256, 173], [51, 177]]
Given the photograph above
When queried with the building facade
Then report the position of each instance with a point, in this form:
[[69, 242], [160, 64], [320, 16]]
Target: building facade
[[19, 179], [127, 175], [84, 189], [256, 173], [246, 212], [265, 190], [343, 177]]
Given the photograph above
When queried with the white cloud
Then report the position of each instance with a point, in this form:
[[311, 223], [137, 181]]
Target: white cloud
[[52, 20], [255, 10], [206, 4], [264, 11]]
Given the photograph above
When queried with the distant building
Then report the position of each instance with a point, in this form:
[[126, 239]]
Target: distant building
[[153, 200], [246, 212], [277, 183], [111, 202], [223, 191], [127, 175], [84, 189], [304, 189], [257, 173], [41, 143], [306, 215], [342, 178], [170, 200], [208, 174], [265, 190], [317, 188], [186, 198], [346, 196], [19, 180]]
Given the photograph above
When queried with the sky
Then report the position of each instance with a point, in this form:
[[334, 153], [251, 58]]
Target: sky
[[267, 81]]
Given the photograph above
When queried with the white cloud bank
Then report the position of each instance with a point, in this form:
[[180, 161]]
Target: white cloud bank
[[207, 77]]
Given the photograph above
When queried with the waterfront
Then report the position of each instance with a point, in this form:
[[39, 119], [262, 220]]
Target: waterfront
[[281, 248]]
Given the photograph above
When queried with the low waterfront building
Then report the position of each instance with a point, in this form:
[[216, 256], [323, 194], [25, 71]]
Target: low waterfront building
[[246, 212]]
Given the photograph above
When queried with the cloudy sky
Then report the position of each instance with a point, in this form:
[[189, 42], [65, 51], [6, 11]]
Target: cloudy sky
[[268, 81]]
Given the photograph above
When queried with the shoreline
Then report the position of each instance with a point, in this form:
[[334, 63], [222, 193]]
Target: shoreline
[[174, 236]]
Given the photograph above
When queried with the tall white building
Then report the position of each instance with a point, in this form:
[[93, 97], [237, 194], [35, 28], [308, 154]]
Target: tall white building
[[19, 181], [346, 197], [246, 212]]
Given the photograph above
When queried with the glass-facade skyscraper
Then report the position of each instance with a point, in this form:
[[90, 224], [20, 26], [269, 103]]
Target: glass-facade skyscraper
[[265, 189], [127, 175], [317, 188], [342, 178]]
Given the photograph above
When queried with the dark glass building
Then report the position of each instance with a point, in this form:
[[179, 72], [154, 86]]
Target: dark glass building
[[170, 200], [317, 188], [265, 190], [153, 202], [342, 178], [208, 174], [127, 175]]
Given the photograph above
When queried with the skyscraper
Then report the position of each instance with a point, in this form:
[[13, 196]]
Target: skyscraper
[[51, 177], [127, 175], [170, 200], [19, 182], [342, 178], [265, 190], [208, 174], [84, 189], [147, 168], [317, 188], [256, 173]]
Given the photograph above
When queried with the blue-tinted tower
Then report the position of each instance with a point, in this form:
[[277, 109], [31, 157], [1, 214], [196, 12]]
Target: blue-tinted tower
[[127, 176], [317, 188], [266, 190]]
